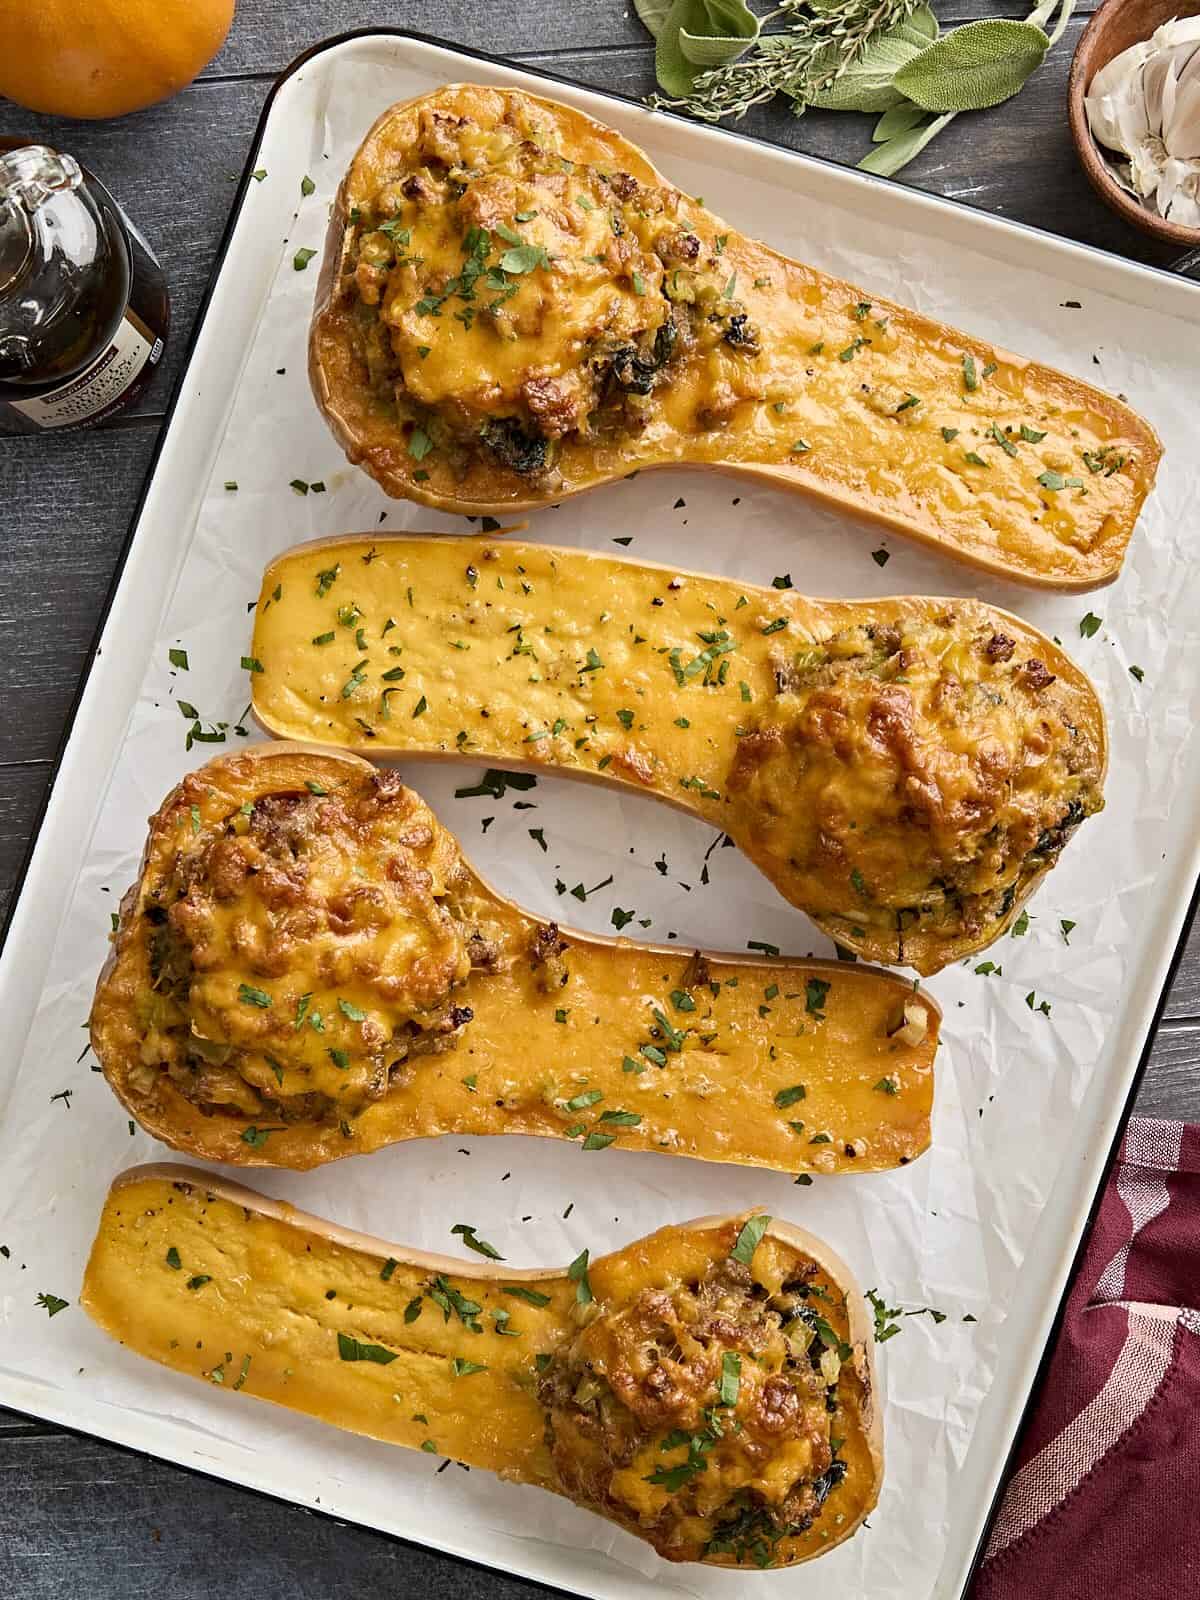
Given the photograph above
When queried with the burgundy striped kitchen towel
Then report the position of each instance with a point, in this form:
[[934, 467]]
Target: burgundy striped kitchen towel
[[1104, 1498]]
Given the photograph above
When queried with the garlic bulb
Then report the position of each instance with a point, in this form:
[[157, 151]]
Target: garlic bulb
[[1146, 104]]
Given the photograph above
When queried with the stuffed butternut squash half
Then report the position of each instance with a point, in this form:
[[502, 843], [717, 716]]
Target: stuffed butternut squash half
[[514, 306], [710, 1388], [904, 770], [308, 968]]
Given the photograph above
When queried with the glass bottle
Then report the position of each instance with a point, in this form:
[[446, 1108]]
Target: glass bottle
[[84, 311]]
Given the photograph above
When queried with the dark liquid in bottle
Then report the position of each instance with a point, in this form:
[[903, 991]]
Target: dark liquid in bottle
[[84, 311]]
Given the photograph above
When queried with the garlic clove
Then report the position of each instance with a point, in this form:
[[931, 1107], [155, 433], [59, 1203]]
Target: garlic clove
[[1181, 129], [1115, 108], [1145, 169], [1157, 88], [1178, 196], [1118, 120], [1179, 31], [1120, 70]]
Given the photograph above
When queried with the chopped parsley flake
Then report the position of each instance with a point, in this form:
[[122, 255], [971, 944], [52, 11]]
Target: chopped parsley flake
[[748, 1238], [577, 1272], [352, 1349]]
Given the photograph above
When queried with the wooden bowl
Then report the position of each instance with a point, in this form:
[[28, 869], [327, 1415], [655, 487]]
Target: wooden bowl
[[1117, 25]]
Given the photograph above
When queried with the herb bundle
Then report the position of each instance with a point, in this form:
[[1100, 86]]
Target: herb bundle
[[885, 57]]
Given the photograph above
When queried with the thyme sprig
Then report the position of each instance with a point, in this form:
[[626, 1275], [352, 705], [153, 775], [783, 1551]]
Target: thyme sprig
[[824, 39]]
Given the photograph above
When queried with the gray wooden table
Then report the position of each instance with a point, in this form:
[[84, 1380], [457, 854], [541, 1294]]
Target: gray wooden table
[[82, 1518]]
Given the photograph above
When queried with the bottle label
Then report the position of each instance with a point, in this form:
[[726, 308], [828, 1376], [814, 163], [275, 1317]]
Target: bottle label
[[100, 387]]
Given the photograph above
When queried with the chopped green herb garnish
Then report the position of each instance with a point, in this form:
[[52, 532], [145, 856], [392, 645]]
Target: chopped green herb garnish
[[520, 1292], [480, 1246], [256, 1137], [352, 1349], [731, 1372], [1055, 481], [748, 1238], [577, 1272], [588, 1097], [465, 1369]]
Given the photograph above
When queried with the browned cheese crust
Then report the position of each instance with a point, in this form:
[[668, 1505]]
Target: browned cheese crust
[[726, 1414]]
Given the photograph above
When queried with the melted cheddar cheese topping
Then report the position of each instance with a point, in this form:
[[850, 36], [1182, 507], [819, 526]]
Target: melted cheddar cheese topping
[[903, 770], [302, 950], [708, 1413], [522, 308]]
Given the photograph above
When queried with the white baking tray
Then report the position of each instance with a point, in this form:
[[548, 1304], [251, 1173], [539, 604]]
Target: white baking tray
[[984, 1227]]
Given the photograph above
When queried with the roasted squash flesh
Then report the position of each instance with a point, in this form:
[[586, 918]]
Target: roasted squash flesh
[[904, 770], [712, 1394], [308, 968], [514, 306]]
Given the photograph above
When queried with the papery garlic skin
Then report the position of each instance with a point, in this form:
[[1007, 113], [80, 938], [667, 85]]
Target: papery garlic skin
[[1146, 104]]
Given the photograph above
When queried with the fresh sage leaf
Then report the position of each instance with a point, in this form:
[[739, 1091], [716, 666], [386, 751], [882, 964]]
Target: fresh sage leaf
[[867, 85], [899, 119], [697, 35], [919, 28], [709, 50], [887, 159], [652, 14], [975, 66]]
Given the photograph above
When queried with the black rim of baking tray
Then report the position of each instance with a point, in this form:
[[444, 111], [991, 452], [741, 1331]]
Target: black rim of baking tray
[[757, 140]]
